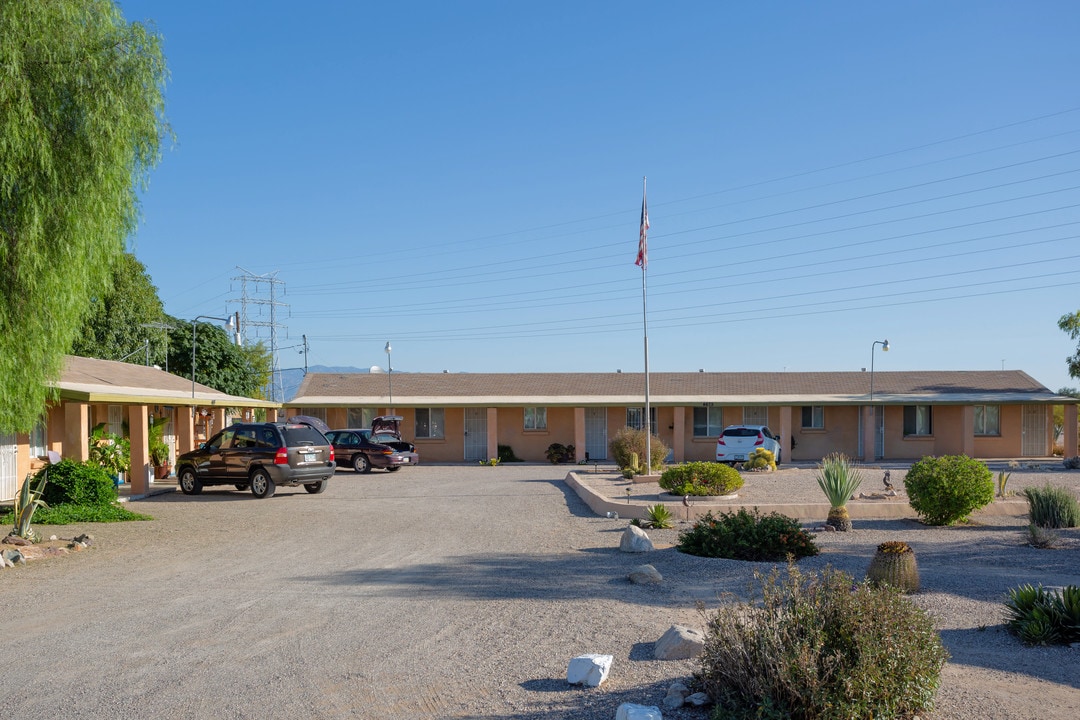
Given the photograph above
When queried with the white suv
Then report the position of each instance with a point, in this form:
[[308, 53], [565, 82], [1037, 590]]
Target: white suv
[[738, 441]]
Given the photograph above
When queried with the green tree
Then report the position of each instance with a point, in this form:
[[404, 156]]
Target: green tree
[[219, 363], [1071, 324], [1059, 410], [115, 325], [81, 124]]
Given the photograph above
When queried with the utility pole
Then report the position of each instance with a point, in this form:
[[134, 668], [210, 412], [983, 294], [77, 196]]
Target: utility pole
[[261, 293]]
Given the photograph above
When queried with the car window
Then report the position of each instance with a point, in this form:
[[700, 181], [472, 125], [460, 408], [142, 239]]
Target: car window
[[385, 438], [740, 432], [223, 439], [303, 435], [244, 438], [366, 435], [216, 440]]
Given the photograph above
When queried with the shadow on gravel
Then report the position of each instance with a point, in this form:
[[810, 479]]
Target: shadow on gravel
[[971, 646], [574, 504], [568, 701]]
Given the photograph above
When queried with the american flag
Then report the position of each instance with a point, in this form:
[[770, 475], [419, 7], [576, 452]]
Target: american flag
[[643, 249]]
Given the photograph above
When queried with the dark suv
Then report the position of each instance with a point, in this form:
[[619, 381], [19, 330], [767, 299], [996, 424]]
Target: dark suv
[[260, 456]]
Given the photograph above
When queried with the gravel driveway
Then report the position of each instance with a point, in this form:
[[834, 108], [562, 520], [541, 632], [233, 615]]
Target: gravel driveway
[[443, 592]]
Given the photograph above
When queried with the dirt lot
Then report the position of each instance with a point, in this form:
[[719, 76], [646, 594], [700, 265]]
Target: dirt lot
[[450, 592]]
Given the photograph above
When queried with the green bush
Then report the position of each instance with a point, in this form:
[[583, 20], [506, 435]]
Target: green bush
[[1039, 616], [821, 647], [1052, 507], [506, 454], [945, 490], [68, 514], [628, 441], [559, 453], [701, 478], [78, 483], [745, 535]]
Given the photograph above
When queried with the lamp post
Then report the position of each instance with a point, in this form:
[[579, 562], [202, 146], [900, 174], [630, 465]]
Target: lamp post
[[390, 376], [873, 415], [884, 348], [229, 325]]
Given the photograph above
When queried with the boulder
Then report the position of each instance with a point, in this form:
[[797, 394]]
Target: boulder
[[679, 643], [588, 670], [698, 699], [635, 540], [645, 575], [630, 711]]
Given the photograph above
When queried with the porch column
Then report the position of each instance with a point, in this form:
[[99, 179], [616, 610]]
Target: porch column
[[218, 415], [1070, 430], [785, 432], [271, 414], [76, 431], [967, 430], [678, 438], [184, 422], [579, 432], [868, 433], [492, 432], [139, 436]]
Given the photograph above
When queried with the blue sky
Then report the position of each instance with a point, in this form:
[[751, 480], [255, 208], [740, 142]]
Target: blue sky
[[463, 179]]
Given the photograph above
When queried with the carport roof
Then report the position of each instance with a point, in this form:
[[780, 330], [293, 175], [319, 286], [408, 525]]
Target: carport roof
[[693, 388], [108, 381]]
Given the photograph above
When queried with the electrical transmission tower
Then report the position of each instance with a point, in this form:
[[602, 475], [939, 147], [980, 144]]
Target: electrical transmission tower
[[259, 308]]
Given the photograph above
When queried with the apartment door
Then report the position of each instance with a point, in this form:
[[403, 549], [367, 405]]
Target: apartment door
[[475, 433], [879, 432], [596, 433], [1033, 442], [9, 470]]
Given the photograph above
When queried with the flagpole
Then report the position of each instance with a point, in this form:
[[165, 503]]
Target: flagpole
[[645, 325]]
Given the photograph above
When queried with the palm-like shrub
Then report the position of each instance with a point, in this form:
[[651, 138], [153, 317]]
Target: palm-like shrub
[[945, 490], [821, 646], [839, 477], [1052, 507], [701, 478], [629, 441], [1040, 616]]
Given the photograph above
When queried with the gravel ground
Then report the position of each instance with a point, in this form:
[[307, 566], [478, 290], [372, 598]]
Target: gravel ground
[[452, 592]]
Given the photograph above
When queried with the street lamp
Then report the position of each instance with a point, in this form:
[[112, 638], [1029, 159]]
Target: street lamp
[[873, 434], [229, 325], [884, 348], [390, 375]]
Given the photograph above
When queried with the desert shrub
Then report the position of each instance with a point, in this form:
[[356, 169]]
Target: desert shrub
[[945, 490], [506, 454], [1052, 507], [1040, 616], [1042, 538], [628, 441], [760, 459], [1072, 463], [745, 535], [559, 453], [821, 646], [78, 483], [701, 478]]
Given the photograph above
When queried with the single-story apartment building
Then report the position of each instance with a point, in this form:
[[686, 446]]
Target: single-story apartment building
[[118, 394], [455, 417]]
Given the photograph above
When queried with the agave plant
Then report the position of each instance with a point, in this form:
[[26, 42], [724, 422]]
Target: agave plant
[[839, 478], [27, 502], [658, 516]]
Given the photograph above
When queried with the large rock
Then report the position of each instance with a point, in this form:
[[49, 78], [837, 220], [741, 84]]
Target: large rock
[[645, 575], [588, 670], [634, 540], [630, 711], [679, 643]]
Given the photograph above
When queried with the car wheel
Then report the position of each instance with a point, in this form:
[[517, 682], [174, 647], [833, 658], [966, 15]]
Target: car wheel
[[360, 463], [316, 487], [261, 484], [241, 486], [778, 458], [189, 482], [393, 468]]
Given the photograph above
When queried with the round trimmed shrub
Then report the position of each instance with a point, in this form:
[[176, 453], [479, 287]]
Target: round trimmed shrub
[[701, 478], [945, 490], [76, 483], [628, 442]]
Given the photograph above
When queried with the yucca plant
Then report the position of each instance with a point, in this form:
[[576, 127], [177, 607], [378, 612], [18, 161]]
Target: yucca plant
[[26, 504], [839, 477], [658, 516], [1029, 614]]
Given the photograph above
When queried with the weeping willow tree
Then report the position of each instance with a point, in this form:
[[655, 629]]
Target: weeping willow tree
[[81, 124]]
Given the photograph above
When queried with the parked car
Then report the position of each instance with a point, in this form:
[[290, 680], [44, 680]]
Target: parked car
[[738, 441], [380, 446], [260, 456]]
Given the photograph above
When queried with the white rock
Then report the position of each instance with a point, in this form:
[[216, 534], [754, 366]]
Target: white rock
[[635, 540], [679, 643], [630, 711], [697, 699], [645, 575], [588, 670]]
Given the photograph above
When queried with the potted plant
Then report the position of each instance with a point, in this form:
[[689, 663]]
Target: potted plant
[[109, 451], [159, 449]]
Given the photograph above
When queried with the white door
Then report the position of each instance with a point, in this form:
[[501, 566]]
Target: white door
[[596, 433], [9, 468], [1033, 443], [476, 433]]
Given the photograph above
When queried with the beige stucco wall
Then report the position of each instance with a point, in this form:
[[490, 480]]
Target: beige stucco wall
[[840, 434]]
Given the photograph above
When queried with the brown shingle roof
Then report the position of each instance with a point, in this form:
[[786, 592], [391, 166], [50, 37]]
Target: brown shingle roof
[[667, 388]]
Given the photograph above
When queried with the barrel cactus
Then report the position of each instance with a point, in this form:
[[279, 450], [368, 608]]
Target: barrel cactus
[[894, 564]]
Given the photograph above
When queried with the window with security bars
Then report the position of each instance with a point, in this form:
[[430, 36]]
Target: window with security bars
[[635, 418], [755, 415]]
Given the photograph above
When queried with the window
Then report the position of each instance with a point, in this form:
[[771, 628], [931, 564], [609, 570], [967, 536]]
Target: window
[[360, 417], [429, 423], [39, 440], [918, 420], [535, 418], [987, 420], [813, 417], [319, 413], [708, 421], [755, 415], [635, 418]]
